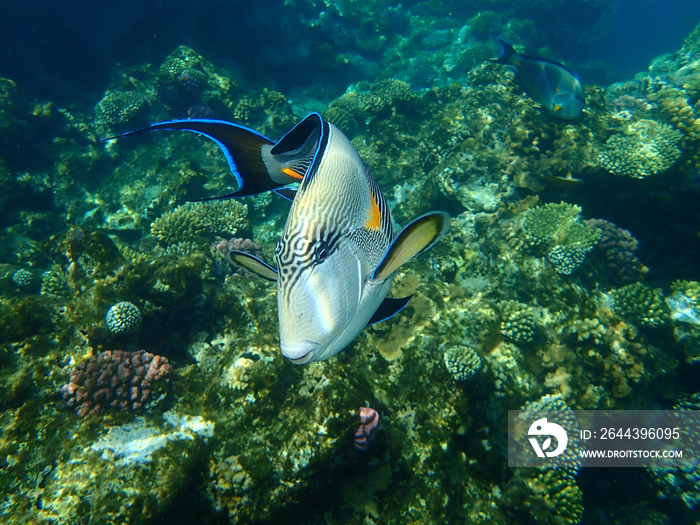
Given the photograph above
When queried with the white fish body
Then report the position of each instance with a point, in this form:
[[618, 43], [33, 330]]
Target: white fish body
[[337, 254]]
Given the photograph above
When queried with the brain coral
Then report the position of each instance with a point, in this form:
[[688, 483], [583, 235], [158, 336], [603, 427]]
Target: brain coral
[[646, 148], [197, 219]]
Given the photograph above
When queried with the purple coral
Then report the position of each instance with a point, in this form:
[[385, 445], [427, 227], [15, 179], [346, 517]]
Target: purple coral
[[616, 247], [241, 245], [116, 379]]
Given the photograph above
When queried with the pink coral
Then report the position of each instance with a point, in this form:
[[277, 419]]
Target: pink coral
[[369, 423], [116, 379]]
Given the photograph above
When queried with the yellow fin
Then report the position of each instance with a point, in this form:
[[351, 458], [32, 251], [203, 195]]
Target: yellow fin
[[415, 238]]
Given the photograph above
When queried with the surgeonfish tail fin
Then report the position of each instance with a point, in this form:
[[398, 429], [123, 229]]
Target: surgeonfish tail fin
[[247, 153], [507, 52], [416, 237]]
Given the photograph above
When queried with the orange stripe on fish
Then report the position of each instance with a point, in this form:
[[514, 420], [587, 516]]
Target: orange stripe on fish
[[374, 216], [293, 174]]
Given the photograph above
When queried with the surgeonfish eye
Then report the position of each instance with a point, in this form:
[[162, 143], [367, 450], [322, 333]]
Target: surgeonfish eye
[[321, 252]]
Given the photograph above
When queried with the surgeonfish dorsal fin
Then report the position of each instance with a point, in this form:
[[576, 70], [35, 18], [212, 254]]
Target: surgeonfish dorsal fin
[[252, 264], [297, 151], [246, 151], [508, 54], [416, 237], [389, 308]]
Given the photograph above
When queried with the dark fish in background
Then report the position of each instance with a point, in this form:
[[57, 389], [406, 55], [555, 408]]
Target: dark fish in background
[[554, 87]]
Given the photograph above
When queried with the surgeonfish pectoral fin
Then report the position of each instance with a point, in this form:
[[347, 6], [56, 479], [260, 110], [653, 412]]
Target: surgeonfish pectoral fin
[[389, 308], [252, 264], [415, 238], [246, 151]]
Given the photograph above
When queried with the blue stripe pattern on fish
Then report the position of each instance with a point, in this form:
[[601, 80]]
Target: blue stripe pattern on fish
[[337, 255]]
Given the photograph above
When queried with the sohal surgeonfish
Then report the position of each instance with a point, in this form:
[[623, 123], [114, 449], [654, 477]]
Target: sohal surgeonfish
[[556, 88], [338, 253]]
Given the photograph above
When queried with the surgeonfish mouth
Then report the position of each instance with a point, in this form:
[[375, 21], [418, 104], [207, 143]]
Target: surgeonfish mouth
[[338, 253]]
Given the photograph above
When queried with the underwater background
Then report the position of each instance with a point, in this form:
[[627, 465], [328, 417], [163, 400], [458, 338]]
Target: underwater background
[[141, 379]]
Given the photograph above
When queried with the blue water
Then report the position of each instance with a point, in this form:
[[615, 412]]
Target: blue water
[[74, 44]]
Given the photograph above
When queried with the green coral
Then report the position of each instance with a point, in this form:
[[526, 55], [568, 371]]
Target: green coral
[[119, 108], [345, 113], [555, 494], [518, 322], [589, 330], [350, 111], [463, 362], [54, 282], [553, 407], [556, 229], [640, 304], [199, 219], [384, 95], [646, 148]]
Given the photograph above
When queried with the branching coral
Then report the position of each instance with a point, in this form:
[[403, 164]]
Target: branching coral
[[462, 362], [640, 304], [617, 248], [518, 322], [646, 148], [556, 229], [197, 219]]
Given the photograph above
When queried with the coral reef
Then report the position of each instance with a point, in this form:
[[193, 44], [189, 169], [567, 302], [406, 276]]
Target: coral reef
[[552, 495], [123, 317], [195, 220], [556, 229], [117, 379], [462, 362], [617, 248], [122, 109], [647, 148], [523, 303], [640, 304], [518, 322]]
